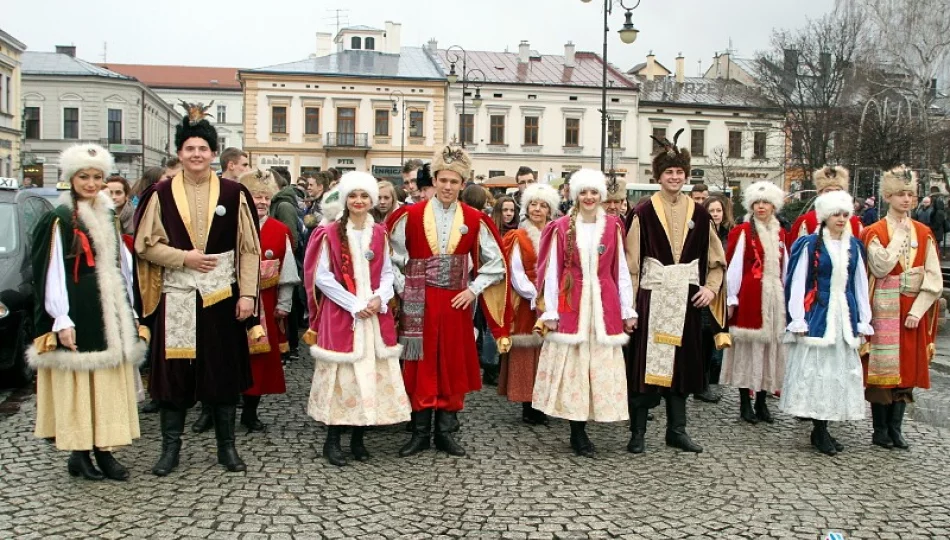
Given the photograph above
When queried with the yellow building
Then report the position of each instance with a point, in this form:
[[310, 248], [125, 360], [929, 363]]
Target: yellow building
[[369, 106], [10, 106]]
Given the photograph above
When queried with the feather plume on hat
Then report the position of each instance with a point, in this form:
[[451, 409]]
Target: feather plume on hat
[[668, 155]]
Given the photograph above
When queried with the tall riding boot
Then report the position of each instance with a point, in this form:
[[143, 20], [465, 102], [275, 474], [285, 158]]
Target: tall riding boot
[[821, 439], [447, 423], [356, 443], [761, 409], [895, 418], [638, 430], [421, 433], [745, 407], [110, 466], [676, 435], [331, 447], [80, 464], [173, 425], [204, 421], [224, 419], [580, 443], [880, 420], [249, 417]]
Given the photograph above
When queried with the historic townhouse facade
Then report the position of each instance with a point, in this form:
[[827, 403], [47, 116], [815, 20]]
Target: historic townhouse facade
[[11, 50]]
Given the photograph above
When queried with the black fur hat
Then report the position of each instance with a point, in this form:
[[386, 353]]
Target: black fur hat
[[424, 176], [193, 124]]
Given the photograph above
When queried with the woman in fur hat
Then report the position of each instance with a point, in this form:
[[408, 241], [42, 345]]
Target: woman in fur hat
[[587, 310], [357, 380], [827, 179], [539, 204], [88, 345], [905, 285], [755, 278], [828, 312]]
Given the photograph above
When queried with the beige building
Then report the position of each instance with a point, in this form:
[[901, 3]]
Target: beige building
[[362, 102], [10, 107]]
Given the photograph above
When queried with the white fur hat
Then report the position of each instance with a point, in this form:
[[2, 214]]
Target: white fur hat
[[831, 203], [543, 193], [763, 190], [588, 179], [331, 206], [354, 180], [84, 156]]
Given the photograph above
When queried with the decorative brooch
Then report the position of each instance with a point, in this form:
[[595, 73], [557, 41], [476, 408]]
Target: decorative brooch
[[220, 210], [370, 255], [92, 152], [913, 244], [451, 153], [601, 249], [690, 224], [269, 254], [463, 229]]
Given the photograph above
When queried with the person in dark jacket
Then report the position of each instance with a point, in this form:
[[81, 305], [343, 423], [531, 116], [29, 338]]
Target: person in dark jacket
[[283, 207]]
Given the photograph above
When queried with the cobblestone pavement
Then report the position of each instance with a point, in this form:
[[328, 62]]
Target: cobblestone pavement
[[517, 482]]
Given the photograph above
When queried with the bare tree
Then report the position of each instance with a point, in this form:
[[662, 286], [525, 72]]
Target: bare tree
[[721, 168]]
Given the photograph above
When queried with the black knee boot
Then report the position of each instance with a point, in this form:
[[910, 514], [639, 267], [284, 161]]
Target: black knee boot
[[532, 416], [80, 464], [580, 442], [676, 435], [331, 447], [204, 421], [447, 423], [421, 433], [224, 420], [895, 419], [638, 430], [761, 409], [357, 448], [745, 407], [249, 417], [173, 424], [110, 466], [880, 421]]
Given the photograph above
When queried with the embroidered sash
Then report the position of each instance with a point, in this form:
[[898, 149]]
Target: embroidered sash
[[669, 298], [181, 318], [439, 271], [884, 366]]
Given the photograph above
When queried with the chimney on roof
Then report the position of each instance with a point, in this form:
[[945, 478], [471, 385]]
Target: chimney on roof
[[680, 69], [324, 44], [524, 52], [651, 65], [68, 50], [433, 45], [393, 38], [569, 55]]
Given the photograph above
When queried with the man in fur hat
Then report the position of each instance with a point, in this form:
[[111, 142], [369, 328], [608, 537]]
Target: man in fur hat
[[673, 251], [827, 179], [433, 244], [198, 265], [616, 194]]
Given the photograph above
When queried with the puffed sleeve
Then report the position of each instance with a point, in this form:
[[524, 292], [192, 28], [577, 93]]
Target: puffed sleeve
[[715, 261], [861, 290], [796, 300], [56, 298], [932, 286], [249, 250], [627, 309], [289, 278], [151, 240], [385, 292], [882, 260], [400, 254], [633, 254], [519, 279], [551, 286], [331, 288], [491, 268], [734, 272]]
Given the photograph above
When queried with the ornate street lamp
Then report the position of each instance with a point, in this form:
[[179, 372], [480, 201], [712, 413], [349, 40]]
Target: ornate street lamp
[[470, 77]]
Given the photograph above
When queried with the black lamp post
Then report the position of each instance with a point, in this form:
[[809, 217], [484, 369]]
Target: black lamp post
[[470, 77], [402, 142], [628, 34]]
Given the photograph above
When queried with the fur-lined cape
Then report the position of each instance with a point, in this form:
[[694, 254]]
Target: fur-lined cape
[[84, 156], [452, 157], [259, 182], [584, 179], [831, 203], [356, 180], [668, 155], [898, 179], [543, 193], [829, 176], [193, 124], [763, 190]]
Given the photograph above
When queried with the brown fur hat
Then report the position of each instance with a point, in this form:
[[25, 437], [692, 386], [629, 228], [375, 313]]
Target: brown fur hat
[[452, 157], [669, 155], [829, 176]]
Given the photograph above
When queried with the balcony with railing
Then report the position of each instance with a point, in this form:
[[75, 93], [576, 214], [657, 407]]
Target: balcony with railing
[[338, 139]]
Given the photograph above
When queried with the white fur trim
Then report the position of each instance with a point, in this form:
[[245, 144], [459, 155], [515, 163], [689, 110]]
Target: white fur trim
[[122, 341], [543, 193], [331, 210], [590, 292], [831, 203], [354, 180], [837, 305], [588, 179], [763, 190], [78, 157], [772, 291]]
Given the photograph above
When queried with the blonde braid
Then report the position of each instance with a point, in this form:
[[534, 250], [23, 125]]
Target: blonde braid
[[569, 256]]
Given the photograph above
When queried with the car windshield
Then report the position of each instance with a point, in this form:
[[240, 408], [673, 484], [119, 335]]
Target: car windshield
[[9, 237]]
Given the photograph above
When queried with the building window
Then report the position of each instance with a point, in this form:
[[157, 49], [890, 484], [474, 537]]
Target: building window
[[572, 132], [492, 174], [278, 120], [222, 142], [222, 114], [697, 142], [370, 44], [531, 128], [614, 133], [758, 145], [467, 127], [798, 145], [4, 103], [735, 144], [71, 123], [659, 133], [31, 122], [115, 126], [417, 126], [356, 44], [311, 121], [382, 122], [497, 132]]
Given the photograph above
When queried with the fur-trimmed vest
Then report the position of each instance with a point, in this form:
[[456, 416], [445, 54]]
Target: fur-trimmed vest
[[762, 286], [106, 335], [340, 336], [528, 239], [574, 311]]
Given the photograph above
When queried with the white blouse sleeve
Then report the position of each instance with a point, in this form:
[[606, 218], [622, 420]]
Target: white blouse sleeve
[[734, 272], [387, 280], [551, 286], [627, 309], [861, 297], [56, 299], [331, 288], [519, 280], [288, 279], [796, 299], [125, 265]]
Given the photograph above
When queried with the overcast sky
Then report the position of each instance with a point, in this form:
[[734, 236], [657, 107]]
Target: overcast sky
[[249, 33]]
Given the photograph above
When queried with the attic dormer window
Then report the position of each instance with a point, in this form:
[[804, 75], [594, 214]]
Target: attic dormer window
[[370, 44], [356, 43]]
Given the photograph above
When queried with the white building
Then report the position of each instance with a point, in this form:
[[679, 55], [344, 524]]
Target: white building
[[197, 85], [734, 135], [11, 50], [540, 111], [68, 101]]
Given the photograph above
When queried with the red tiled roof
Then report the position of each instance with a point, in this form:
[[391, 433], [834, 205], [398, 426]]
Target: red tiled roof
[[547, 69], [180, 76]]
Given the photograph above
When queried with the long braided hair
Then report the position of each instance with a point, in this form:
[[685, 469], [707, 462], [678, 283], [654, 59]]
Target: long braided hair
[[568, 280], [819, 243], [345, 250]]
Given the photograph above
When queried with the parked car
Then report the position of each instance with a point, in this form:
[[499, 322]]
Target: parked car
[[20, 210]]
